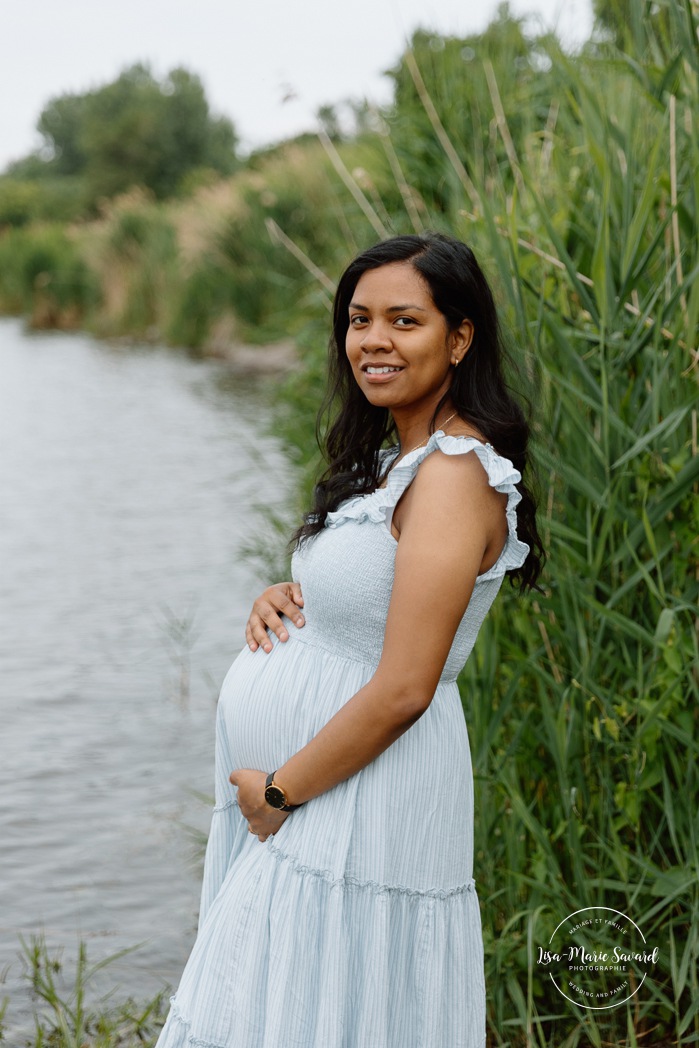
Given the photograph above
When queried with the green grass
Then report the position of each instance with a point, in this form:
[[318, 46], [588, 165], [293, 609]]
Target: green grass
[[67, 1012]]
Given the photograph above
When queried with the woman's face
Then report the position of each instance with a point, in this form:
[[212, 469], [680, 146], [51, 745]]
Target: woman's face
[[398, 343]]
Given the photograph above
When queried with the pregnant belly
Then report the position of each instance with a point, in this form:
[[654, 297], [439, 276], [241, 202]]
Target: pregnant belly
[[273, 704], [415, 798]]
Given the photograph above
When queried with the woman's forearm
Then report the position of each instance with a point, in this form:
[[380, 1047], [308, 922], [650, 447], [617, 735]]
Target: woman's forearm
[[365, 726]]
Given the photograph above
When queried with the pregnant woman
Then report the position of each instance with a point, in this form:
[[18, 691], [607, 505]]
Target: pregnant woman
[[339, 908]]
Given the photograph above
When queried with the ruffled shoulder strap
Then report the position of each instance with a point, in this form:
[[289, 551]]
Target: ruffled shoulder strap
[[378, 506]]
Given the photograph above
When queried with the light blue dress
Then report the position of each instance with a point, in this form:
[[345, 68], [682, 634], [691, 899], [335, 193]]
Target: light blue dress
[[357, 924]]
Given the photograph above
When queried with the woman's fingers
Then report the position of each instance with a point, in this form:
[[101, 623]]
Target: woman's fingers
[[265, 616], [288, 605], [262, 619], [252, 643], [296, 594]]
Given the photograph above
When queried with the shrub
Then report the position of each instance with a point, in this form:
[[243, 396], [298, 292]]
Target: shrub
[[43, 274]]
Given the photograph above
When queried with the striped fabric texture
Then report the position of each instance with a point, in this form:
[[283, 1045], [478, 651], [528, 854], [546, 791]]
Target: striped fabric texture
[[357, 924]]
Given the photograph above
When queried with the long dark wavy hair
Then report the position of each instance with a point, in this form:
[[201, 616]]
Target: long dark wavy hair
[[358, 430]]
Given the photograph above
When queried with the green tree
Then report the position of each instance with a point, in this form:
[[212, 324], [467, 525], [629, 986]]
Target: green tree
[[61, 124], [136, 130], [139, 131]]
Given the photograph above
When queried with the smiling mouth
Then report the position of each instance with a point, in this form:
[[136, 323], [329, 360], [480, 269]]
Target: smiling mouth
[[385, 370]]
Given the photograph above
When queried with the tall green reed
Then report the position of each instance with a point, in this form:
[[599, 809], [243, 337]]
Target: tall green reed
[[585, 730]]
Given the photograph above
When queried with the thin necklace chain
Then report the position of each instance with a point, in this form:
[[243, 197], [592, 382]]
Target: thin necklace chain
[[445, 423]]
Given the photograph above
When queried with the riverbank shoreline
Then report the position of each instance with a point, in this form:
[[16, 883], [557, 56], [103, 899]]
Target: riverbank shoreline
[[273, 359]]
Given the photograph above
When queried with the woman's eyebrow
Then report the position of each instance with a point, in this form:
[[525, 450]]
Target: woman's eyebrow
[[391, 309]]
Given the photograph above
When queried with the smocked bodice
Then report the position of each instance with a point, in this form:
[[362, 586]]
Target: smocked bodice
[[356, 551]]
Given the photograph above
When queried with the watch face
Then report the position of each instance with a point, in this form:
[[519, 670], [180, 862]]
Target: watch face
[[275, 797]]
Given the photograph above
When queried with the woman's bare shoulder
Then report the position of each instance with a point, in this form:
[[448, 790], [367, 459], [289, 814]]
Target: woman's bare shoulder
[[440, 468]]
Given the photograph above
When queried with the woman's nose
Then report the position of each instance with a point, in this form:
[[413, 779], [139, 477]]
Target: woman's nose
[[376, 338]]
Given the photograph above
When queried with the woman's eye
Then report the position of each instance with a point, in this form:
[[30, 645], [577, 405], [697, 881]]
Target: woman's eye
[[356, 320], [404, 321]]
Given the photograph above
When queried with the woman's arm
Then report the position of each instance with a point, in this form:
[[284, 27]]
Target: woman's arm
[[448, 523]]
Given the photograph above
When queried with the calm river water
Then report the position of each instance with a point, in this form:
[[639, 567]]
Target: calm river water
[[129, 480]]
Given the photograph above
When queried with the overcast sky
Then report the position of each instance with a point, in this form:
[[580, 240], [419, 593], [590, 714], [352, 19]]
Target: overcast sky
[[266, 65]]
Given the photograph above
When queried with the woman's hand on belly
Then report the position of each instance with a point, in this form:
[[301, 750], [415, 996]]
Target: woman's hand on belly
[[285, 599], [262, 818]]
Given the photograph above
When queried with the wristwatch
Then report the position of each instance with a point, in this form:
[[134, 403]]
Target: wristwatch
[[275, 796]]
